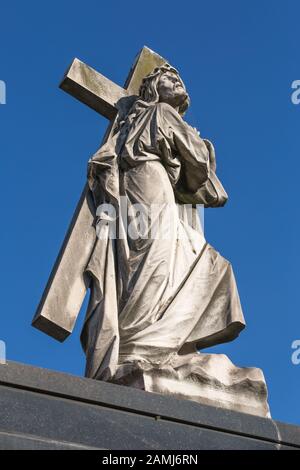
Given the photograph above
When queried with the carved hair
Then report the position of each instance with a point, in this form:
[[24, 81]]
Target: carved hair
[[148, 90]]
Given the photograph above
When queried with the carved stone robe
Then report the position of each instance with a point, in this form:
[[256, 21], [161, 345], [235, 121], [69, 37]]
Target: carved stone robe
[[154, 297]]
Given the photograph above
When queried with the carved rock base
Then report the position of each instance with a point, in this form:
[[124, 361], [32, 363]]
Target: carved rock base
[[210, 379]]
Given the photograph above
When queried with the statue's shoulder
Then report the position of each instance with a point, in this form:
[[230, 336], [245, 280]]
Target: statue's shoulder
[[167, 112]]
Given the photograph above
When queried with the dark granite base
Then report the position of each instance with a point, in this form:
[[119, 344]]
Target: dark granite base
[[41, 409]]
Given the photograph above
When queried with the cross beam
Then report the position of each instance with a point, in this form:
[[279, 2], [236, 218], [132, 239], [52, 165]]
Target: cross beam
[[66, 288], [92, 89]]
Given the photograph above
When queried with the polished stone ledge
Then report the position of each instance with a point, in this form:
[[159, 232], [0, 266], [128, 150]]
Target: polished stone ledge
[[43, 409]]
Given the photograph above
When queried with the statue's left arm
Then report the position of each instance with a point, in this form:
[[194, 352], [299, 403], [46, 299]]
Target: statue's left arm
[[185, 144], [198, 183]]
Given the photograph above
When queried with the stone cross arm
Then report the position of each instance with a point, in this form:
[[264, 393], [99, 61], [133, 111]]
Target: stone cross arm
[[66, 288], [92, 89]]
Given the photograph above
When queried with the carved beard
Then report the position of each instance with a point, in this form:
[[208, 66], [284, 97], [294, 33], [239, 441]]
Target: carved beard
[[176, 98], [181, 97]]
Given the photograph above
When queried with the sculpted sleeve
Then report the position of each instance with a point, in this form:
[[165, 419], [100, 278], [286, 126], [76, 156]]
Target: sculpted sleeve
[[197, 182], [186, 145]]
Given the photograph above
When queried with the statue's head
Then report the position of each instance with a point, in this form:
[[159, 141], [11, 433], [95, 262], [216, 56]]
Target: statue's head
[[165, 85]]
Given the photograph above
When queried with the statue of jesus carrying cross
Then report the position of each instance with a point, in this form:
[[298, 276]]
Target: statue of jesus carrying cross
[[155, 301]]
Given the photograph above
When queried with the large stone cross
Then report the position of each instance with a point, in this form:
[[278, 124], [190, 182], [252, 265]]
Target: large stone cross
[[65, 291]]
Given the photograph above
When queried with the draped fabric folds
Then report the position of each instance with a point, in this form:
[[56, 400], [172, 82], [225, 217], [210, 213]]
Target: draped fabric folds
[[154, 296]]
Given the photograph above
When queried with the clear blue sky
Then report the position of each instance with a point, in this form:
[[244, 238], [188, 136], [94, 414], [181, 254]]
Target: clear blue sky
[[238, 60]]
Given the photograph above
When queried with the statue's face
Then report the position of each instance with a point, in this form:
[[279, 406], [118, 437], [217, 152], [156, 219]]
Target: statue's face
[[171, 90]]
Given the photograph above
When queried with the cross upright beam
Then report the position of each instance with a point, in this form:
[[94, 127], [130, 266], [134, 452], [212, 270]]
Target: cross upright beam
[[66, 288]]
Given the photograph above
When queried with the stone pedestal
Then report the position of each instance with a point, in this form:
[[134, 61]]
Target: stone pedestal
[[209, 379], [41, 409]]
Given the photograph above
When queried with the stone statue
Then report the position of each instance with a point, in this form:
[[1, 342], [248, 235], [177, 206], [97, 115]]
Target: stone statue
[[156, 301], [159, 293]]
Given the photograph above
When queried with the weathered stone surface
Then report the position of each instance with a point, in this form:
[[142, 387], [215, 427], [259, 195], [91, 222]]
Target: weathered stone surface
[[42, 409], [153, 298], [210, 379], [65, 291], [66, 288], [92, 89]]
